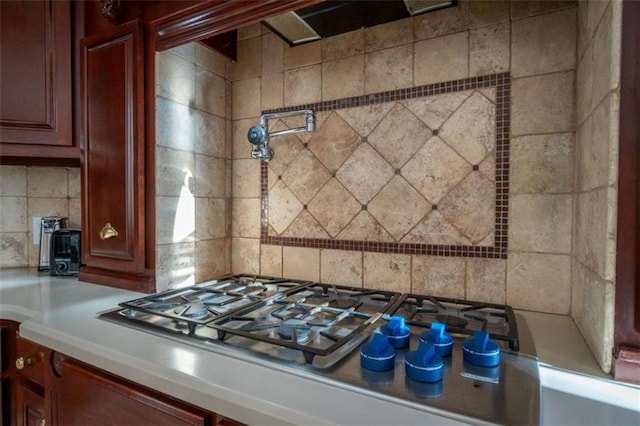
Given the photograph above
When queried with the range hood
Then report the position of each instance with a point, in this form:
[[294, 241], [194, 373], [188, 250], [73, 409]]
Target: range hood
[[334, 17]]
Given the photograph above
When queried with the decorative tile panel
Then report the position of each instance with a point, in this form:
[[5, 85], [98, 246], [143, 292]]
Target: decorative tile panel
[[422, 170]]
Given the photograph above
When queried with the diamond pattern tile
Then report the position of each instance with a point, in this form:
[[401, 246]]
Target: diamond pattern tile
[[365, 119], [334, 207], [365, 173], [283, 207], [434, 110], [364, 228], [306, 184], [306, 225], [334, 142], [435, 169], [398, 207], [399, 135], [286, 149], [488, 166], [435, 229]]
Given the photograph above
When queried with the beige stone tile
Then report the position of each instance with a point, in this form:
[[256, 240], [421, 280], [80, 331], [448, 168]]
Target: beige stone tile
[[488, 166], [441, 22], [540, 223], [388, 69], [364, 119], [486, 280], [75, 213], [435, 229], [211, 95], [303, 85], [210, 134], [334, 207], [303, 55], [434, 110], [246, 217], [283, 207], [341, 267], [47, 182], [13, 181], [185, 51], [489, 49], [542, 104], [306, 176], [175, 265], [584, 82], [343, 45], [211, 60], [46, 206], [211, 260], [13, 214], [541, 163], [245, 256], [343, 78], [584, 33], [246, 178], [74, 181], [14, 250], [210, 177], [435, 169], [301, 263], [211, 218], [356, 173], [246, 99], [271, 260], [364, 228], [173, 168], [544, 44], [249, 58], [174, 125], [590, 233], [333, 142], [438, 276], [241, 145], [272, 91], [606, 72], [441, 59], [169, 227], [522, 9], [287, 149], [253, 30], [176, 78], [470, 207], [539, 282], [488, 12], [390, 34], [398, 207], [272, 54], [306, 226], [594, 156], [387, 271]]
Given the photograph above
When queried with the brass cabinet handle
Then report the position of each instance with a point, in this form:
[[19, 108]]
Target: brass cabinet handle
[[108, 231], [43, 422], [20, 362]]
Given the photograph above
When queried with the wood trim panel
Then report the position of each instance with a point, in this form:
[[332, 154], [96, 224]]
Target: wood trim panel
[[626, 365], [144, 283]]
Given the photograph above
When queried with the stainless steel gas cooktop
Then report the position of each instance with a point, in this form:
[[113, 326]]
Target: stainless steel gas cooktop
[[473, 359]]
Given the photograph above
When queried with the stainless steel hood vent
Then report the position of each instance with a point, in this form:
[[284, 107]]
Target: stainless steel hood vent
[[334, 17]]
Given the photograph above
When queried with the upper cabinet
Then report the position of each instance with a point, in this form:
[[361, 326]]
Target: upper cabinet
[[36, 92]]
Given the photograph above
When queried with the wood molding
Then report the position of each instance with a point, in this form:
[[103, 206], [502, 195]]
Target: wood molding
[[125, 280]]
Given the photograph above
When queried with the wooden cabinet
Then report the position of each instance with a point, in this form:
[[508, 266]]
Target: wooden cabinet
[[113, 184], [36, 88], [29, 405]]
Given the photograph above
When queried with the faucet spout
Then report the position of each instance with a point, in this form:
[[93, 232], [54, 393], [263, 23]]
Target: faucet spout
[[260, 135]]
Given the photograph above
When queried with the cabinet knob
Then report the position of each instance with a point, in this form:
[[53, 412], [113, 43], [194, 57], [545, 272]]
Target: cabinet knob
[[108, 231], [21, 362]]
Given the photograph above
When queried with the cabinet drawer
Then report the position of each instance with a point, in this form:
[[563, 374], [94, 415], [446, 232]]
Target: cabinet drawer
[[30, 361]]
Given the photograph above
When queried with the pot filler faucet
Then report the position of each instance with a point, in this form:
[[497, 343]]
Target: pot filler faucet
[[259, 135]]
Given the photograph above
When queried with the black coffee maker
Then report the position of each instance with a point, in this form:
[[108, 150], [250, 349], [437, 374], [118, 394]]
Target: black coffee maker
[[65, 252]]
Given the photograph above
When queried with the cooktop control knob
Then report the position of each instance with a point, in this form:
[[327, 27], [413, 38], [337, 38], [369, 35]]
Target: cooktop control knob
[[377, 354], [398, 333], [424, 365], [443, 342], [481, 351]]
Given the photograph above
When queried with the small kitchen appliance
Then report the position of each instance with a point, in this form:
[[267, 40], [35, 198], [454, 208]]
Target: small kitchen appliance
[[48, 225], [65, 253]]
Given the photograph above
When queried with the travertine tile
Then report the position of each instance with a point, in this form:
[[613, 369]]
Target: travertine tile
[[210, 177], [241, 145], [301, 263], [343, 78], [211, 218], [441, 59], [341, 267], [212, 259], [283, 207], [540, 223], [210, 134], [14, 251], [13, 181], [590, 234], [488, 12], [542, 163], [249, 58], [245, 218], [488, 166], [169, 227], [47, 182], [343, 45], [186, 51], [606, 72], [246, 98], [364, 228], [175, 265], [75, 213], [364, 173], [594, 149], [307, 184], [532, 278], [176, 78], [174, 125], [211, 95], [334, 194], [435, 229], [246, 256], [272, 91], [434, 110], [584, 85], [303, 55], [303, 85], [246, 178], [74, 181], [333, 142], [387, 271], [438, 276], [173, 168], [390, 34], [441, 22], [364, 119], [45, 206], [486, 280], [543, 104], [287, 149], [522, 9], [545, 43], [489, 49], [13, 214], [306, 226], [271, 260], [213, 61], [388, 69], [272, 54]]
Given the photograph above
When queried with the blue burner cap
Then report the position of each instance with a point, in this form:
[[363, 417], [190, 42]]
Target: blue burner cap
[[424, 365], [481, 351], [442, 341], [378, 354], [398, 333]]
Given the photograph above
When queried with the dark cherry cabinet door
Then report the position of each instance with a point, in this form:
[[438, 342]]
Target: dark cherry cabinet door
[[113, 187], [30, 405]]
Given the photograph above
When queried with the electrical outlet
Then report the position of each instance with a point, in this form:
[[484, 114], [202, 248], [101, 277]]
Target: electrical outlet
[[37, 222]]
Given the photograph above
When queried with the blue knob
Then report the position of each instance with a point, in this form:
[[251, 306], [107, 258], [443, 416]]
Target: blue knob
[[481, 351], [443, 342], [398, 333], [378, 354], [424, 365]]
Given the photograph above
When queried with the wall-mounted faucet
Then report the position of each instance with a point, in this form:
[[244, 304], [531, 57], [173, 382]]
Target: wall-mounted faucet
[[259, 135]]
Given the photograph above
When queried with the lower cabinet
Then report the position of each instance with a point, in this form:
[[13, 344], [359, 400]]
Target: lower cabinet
[[30, 409]]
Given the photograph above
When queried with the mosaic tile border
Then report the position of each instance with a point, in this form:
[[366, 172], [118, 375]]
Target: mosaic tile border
[[502, 83]]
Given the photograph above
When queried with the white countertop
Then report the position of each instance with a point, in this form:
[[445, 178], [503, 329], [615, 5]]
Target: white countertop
[[61, 313]]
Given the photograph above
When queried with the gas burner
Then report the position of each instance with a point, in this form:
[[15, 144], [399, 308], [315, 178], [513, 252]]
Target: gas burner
[[294, 330], [194, 310], [451, 320]]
